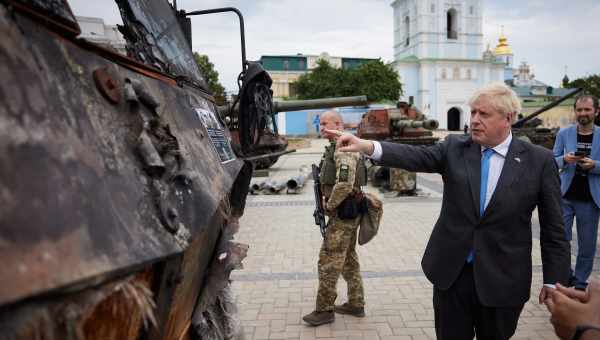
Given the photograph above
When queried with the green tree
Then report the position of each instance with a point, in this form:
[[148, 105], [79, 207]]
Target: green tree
[[590, 84], [322, 82], [374, 79], [211, 76]]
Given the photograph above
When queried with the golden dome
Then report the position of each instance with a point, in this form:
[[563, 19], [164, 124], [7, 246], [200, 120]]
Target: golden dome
[[503, 48]]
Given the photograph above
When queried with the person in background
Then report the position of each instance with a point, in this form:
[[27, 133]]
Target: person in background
[[317, 124], [577, 154], [342, 175]]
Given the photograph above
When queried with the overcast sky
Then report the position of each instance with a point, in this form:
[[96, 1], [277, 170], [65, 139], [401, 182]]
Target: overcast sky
[[548, 34]]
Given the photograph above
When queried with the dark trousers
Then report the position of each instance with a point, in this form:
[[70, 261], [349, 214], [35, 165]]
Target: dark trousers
[[459, 315]]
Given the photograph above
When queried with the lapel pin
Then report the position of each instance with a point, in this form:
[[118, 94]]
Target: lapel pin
[[518, 159]]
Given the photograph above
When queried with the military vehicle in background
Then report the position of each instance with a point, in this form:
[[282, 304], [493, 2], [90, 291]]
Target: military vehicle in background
[[269, 144], [121, 185], [406, 125], [529, 128]]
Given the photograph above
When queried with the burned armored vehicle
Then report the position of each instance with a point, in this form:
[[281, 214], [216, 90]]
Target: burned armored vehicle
[[406, 125], [120, 184]]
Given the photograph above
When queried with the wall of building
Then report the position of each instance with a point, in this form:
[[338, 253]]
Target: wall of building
[[284, 63], [439, 85], [282, 81], [94, 30], [300, 123]]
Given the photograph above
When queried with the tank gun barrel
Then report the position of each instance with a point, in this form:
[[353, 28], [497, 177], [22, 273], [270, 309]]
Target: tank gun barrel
[[429, 124], [298, 105], [522, 121]]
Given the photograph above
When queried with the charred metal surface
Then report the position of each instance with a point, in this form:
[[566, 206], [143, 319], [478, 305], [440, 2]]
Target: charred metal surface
[[119, 187], [181, 287], [76, 204], [155, 38], [125, 313], [214, 316], [256, 108], [55, 12], [97, 313], [239, 192]]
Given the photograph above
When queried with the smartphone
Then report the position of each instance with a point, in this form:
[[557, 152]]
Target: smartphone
[[579, 154]]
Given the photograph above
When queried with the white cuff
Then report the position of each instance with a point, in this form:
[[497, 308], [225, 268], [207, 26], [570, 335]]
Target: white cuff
[[377, 151]]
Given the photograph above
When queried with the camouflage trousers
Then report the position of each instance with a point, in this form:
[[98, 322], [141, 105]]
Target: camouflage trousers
[[338, 256]]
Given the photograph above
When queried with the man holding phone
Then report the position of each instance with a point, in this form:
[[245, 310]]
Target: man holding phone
[[577, 153]]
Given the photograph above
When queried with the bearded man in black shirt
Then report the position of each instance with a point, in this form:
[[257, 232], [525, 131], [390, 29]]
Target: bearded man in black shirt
[[577, 153]]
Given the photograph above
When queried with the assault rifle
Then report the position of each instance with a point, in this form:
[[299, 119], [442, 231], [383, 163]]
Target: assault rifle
[[319, 213]]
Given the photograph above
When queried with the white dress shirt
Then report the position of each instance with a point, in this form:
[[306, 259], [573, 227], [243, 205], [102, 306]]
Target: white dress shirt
[[496, 164]]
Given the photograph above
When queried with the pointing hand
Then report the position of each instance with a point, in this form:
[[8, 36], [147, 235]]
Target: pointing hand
[[347, 142]]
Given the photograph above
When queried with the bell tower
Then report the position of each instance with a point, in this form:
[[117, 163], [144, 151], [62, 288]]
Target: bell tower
[[438, 29], [438, 53]]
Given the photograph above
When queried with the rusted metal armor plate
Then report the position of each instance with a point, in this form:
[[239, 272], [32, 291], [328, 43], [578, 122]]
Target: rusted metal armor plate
[[76, 201], [375, 125]]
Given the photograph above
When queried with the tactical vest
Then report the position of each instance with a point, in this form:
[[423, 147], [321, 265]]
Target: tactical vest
[[328, 171]]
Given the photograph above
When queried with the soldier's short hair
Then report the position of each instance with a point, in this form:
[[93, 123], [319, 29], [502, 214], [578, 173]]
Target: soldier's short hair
[[502, 98], [591, 97], [333, 112]]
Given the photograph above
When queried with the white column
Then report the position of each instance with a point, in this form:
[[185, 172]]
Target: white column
[[281, 123]]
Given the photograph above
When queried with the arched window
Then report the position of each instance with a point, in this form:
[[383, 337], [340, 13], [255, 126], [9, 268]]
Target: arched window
[[456, 73], [407, 30], [451, 24]]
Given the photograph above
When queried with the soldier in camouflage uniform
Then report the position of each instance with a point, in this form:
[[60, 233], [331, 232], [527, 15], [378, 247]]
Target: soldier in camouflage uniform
[[341, 176]]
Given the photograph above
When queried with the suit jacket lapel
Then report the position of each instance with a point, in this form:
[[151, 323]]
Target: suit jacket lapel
[[472, 157], [595, 143], [514, 163]]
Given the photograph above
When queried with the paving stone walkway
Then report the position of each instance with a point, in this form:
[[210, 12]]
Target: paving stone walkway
[[279, 280]]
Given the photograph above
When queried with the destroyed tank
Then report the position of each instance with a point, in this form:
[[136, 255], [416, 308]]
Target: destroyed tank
[[120, 187], [529, 128], [405, 125]]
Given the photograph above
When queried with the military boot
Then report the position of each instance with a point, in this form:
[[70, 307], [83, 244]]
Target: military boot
[[317, 318], [348, 309]]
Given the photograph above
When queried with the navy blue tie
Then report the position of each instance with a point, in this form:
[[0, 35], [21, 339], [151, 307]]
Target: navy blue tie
[[485, 171]]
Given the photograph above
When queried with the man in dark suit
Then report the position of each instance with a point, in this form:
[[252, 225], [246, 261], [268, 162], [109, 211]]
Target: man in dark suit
[[479, 254]]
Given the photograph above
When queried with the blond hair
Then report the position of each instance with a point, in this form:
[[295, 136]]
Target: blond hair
[[501, 97]]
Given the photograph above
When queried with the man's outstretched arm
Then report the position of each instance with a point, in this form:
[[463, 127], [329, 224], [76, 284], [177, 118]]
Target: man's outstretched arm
[[409, 157]]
